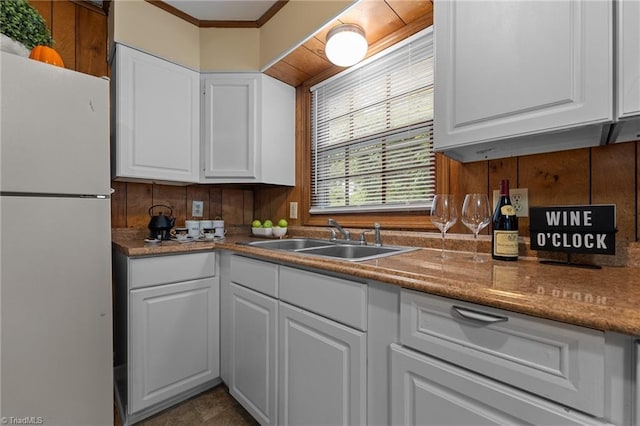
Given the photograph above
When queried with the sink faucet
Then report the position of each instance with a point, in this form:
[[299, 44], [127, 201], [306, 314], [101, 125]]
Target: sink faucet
[[377, 239], [346, 234]]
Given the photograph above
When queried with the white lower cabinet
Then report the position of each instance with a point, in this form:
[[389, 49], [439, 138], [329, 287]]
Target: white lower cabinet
[[428, 391], [298, 362], [252, 352], [561, 362], [305, 348], [166, 335], [322, 370], [173, 345], [465, 364]]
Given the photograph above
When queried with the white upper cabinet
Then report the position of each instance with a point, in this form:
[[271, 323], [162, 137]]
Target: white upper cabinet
[[156, 118], [248, 127], [512, 78], [628, 70]]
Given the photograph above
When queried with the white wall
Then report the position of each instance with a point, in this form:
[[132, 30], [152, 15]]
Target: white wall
[[144, 26]]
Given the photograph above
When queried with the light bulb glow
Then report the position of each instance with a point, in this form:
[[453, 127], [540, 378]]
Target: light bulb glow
[[346, 45]]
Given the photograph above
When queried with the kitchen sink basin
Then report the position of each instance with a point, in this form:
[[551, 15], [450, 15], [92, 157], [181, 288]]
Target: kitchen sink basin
[[329, 249], [290, 244], [356, 252]]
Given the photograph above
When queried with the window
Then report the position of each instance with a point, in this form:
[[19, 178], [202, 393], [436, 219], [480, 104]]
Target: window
[[372, 128]]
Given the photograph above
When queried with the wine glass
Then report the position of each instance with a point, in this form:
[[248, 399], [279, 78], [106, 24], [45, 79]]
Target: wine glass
[[476, 214], [444, 214]]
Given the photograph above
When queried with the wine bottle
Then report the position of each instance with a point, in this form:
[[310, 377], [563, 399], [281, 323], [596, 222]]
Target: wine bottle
[[505, 227]]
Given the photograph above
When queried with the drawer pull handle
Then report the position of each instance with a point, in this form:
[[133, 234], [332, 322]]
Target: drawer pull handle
[[479, 316]]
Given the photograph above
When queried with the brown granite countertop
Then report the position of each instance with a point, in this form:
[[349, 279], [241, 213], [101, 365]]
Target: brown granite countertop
[[604, 299]]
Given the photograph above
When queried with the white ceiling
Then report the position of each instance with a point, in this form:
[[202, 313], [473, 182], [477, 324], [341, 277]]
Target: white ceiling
[[223, 10]]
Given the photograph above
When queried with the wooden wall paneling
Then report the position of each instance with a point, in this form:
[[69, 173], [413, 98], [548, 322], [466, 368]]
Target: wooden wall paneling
[[279, 205], [139, 199], [465, 179], [375, 17], [310, 57], [407, 10], [91, 42], [248, 207], [638, 191], [443, 166], [64, 31], [261, 207], [215, 202], [302, 191], [233, 206], [613, 182], [505, 168], [119, 205], [557, 178], [44, 8], [172, 196], [198, 193], [287, 73]]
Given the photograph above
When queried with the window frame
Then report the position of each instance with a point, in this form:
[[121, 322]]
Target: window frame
[[405, 219]]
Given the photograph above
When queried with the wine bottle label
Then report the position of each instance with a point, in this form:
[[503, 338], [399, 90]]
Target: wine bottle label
[[508, 210], [506, 243]]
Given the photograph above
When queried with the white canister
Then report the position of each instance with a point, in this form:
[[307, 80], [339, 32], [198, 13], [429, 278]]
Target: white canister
[[218, 225], [205, 224], [194, 227]]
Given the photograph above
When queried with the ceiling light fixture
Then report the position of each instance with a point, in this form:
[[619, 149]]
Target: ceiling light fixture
[[346, 45]]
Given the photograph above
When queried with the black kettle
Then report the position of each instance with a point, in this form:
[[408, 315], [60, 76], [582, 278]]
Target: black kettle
[[160, 225]]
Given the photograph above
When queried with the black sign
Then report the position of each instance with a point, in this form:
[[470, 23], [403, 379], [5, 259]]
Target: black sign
[[574, 229]]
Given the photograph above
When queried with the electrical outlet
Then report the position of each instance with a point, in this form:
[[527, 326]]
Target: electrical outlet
[[293, 210], [519, 199], [197, 208]]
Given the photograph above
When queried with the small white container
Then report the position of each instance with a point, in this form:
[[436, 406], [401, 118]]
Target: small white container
[[194, 228], [262, 232], [279, 231]]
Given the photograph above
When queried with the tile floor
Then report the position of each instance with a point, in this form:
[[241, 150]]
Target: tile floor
[[214, 407]]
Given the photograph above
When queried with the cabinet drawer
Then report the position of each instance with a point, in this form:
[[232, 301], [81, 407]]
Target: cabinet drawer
[[255, 274], [341, 300], [428, 391], [148, 271], [562, 362]]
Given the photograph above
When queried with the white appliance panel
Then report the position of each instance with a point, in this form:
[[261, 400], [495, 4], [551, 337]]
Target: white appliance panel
[[54, 129], [55, 263]]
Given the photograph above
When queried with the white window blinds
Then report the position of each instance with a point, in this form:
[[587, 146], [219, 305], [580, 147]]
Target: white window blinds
[[372, 128]]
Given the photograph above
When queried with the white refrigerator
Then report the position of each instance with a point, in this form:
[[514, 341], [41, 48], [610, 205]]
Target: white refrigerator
[[55, 249]]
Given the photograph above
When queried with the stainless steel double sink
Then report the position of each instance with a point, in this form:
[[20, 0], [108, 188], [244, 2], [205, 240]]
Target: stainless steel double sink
[[351, 251]]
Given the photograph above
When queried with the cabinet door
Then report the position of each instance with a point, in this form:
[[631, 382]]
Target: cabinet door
[[628, 71], [628, 44], [322, 370], [510, 69], [277, 134], [230, 122], [253, 360], [427, 391], [173, 340], [157, 118]]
